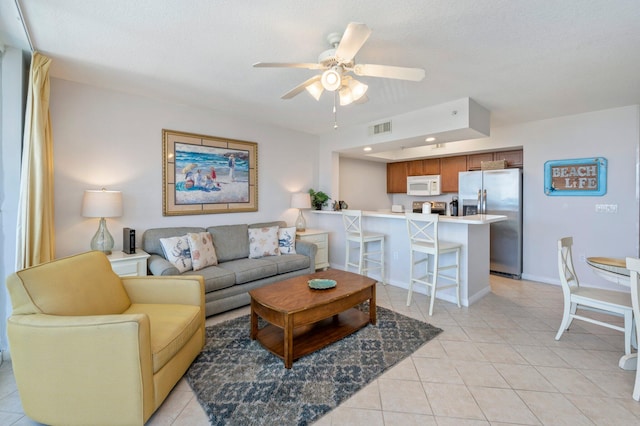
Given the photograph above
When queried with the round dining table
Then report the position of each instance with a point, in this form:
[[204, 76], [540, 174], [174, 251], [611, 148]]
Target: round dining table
[[614, 270]]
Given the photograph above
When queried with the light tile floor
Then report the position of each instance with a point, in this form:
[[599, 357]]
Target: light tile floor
[[496, 363]]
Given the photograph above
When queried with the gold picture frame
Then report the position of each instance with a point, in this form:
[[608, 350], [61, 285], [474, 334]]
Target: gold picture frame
[[207, 174]]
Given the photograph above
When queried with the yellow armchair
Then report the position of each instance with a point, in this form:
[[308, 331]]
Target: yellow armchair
[[89, 347]]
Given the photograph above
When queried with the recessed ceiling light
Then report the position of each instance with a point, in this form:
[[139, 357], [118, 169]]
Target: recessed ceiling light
[[430, 139], [367, 148]]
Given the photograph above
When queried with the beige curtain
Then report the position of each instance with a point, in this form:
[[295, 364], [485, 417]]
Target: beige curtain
[[35, 231]]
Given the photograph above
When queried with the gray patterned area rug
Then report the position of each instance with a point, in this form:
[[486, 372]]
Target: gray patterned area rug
[[238, 382]]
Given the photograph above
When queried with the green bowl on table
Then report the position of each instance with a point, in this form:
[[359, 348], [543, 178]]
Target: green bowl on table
[[321, 284]]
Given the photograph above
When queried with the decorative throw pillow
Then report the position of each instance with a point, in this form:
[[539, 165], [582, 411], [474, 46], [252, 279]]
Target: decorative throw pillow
[[287, 240], [203, 253], [176, 251], [263, 242]]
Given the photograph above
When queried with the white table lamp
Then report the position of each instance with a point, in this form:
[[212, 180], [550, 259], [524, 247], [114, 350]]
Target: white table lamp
[[300, 200], [102, 204]]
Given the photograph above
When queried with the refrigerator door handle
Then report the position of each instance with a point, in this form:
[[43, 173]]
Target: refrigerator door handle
[[479, 206], [484, 202]]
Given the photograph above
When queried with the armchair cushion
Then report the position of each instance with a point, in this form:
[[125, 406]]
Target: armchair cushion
[[173, 326], [83, 284]]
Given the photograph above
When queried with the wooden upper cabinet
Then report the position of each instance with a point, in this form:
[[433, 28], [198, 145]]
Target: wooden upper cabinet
[[449, 169], [429, 166], [514, 158], [414, 168], [474, 161], [397, 177]]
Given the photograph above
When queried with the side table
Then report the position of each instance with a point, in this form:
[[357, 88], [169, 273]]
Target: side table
[[129, 265], [321, 239]]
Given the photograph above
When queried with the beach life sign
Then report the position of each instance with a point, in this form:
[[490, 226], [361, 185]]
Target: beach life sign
[[576, 177], [207, 174]]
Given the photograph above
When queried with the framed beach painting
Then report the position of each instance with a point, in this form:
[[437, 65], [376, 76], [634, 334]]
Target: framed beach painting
[[207, 174]]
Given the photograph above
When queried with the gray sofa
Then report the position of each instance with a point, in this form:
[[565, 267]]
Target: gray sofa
[[227, 284]]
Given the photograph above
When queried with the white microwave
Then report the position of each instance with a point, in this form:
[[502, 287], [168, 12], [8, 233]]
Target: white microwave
[[423, 185]]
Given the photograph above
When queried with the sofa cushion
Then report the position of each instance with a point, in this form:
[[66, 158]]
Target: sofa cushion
[[289, 263], [278, 223], [250, 269], [176, 250], [171, 328], [203, 253], [287, 240], [231, 241], [215, 278], [263, 242], [83, 284], [151, 237]]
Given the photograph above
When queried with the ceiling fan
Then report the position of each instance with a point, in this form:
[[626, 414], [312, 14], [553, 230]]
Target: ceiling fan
[[336, 64]]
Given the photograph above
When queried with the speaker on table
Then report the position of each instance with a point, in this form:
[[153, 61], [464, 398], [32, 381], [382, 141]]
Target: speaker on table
[[129, 240]]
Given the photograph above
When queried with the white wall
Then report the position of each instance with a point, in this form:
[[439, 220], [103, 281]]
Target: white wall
[[108, 139], [613, 134], [360, 184]]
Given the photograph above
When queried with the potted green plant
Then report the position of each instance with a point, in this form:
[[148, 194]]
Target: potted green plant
[[318, 199]]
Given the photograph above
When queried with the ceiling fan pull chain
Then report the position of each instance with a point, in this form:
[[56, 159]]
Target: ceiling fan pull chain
[[335, 110]]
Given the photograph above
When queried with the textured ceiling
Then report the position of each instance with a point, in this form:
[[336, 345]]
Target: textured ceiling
[[521, 59]]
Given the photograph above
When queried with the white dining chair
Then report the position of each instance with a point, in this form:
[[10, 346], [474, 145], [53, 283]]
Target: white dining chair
[[633, 265], [591, 299], [423, 238], [370, 246]]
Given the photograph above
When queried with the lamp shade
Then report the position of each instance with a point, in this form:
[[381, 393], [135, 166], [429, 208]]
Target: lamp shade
[[301, 200], [102, 203]]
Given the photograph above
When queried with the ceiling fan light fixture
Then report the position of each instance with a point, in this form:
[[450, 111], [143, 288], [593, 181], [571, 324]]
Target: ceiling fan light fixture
[[358, 89], [315, 90], [346, 96], [331, 80]]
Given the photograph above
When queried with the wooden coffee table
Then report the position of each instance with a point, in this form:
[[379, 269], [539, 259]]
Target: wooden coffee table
[[302, 320]]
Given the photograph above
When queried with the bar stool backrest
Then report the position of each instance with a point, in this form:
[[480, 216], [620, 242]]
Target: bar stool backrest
[[352, 220], [423, 228]]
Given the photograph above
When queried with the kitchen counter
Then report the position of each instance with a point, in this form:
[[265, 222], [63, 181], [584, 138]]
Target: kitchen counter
[[476, 219], [473, 232]]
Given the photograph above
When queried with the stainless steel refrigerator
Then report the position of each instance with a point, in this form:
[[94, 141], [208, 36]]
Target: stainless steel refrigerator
[[497, 192]]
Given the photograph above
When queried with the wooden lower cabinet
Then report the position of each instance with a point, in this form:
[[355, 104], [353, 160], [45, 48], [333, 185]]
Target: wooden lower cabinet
[[449, 169]]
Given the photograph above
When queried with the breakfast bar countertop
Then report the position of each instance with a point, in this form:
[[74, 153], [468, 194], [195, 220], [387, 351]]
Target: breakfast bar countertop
[[476, 219]]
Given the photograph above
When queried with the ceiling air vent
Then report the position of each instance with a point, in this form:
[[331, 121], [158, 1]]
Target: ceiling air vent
[[380, 128]]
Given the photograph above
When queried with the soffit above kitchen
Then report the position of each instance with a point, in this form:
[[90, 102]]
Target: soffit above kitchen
[[522, 61], [414, 134]]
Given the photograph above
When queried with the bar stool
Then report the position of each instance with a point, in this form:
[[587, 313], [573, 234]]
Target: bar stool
[[367, 260], [423, 237]]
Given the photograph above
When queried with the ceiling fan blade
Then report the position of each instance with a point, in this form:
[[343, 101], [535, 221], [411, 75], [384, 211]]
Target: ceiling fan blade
[[299, 88], [309, 66], [352, 40], [389, 71]]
